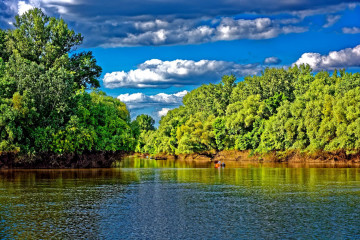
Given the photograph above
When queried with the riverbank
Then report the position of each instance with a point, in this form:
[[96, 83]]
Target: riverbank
[[246, 156], [49, 160], [100, 159]]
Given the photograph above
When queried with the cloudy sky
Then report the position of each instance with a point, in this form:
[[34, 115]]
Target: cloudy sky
[[154, 51]]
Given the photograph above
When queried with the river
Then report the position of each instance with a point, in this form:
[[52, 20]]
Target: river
[[149, 199]]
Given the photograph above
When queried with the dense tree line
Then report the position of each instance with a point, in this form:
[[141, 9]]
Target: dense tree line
[[45, 100], [282, 109], [46, 104]]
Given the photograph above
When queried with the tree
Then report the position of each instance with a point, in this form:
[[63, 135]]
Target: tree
[[49, 90], [202, 99], [3, 52], [145, 122], [48, 41], [43, 103], [85, 70], [42, 39], [221, 135], [224, 92], [280, 110]]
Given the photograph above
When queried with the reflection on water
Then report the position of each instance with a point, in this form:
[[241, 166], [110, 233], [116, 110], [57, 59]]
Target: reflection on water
[[132, 162], [169, 199]]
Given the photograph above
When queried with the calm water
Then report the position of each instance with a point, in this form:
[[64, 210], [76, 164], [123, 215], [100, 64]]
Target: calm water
[[150, 199]]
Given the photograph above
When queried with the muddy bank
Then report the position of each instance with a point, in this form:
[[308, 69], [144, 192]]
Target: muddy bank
[[272, 157], [93, 159]]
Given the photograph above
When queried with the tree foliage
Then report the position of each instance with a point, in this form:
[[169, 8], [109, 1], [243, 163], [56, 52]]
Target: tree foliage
[[145, 122], [44, 105], [279, 110]]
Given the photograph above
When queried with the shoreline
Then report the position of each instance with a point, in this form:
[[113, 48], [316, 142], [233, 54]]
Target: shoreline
[[272, 157], [105, 159], [50, 160]]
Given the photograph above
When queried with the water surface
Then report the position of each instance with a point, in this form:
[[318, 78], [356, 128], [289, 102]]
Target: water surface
[[151, 199]]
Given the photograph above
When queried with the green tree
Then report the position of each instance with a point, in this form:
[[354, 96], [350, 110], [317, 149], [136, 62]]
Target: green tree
[[49, 90], [221, 134], [3, 50], [280, 110], [42, 39], [145, 122], [43, 103], [85, 70], [48, 41]]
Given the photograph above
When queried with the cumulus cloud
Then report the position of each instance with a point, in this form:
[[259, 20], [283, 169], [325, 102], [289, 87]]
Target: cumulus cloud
[[351, 30], [272, 60], [24, 7], [140, 100], [156, 73], [163, 112], [345, 58], [159, 32]]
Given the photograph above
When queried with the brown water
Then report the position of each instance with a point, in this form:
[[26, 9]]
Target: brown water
[[181, 200]]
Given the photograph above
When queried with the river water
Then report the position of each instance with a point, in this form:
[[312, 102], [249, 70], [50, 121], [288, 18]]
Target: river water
[[148, 199]]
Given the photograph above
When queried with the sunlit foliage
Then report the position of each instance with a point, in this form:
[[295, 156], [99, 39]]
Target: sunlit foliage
[[45, 102], [279, 110]]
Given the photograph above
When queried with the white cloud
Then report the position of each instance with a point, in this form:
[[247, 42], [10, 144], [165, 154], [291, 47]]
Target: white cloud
[[272, 60], [135, 97], [164, 74], [156, 105], [140, 100], [61, 6], [325, 9], [179, 31], [331, 20], [351, 30], [163, 112], [24, 7], [151, 25], [345, 58]]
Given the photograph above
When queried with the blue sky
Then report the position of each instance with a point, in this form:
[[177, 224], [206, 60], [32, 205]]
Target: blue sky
[[153, 51]]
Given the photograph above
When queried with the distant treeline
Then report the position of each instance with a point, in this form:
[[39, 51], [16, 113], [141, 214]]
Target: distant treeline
[[45, 102], [280, 110]]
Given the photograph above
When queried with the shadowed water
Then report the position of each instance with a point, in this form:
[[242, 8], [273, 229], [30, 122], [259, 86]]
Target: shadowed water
[[151, 199]]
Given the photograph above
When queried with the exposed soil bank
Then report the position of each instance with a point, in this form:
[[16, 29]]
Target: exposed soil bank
[[272, 157], [93, 159]]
